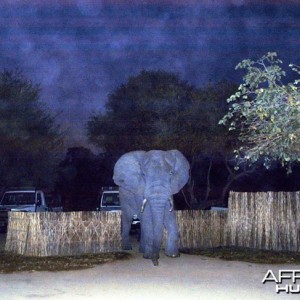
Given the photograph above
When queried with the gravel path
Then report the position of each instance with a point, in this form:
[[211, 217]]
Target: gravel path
[[187, 277]]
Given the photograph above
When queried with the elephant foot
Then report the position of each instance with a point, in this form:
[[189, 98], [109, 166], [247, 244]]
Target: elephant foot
[[147, 256], [173, 255], [154, 259]]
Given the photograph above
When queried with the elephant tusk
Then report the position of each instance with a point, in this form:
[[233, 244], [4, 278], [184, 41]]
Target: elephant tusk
[[171, 204], [143, 205]]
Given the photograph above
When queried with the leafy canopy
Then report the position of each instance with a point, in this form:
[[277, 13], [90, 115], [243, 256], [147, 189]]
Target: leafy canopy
[[266, 113]]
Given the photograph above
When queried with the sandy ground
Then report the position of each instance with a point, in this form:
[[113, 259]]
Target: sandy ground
[[187, 277]]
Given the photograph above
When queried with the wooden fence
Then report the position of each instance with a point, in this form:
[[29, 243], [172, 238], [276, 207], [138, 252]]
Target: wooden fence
[[58, 233], [256, 220]]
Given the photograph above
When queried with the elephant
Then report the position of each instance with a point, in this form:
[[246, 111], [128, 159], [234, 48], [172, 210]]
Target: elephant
[[147, 182]]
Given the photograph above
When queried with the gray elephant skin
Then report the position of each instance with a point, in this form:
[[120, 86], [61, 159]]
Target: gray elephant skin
[[147, 182]]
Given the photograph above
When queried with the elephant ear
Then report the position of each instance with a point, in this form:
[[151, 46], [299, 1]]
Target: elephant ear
[[181, 170], [127, 172]]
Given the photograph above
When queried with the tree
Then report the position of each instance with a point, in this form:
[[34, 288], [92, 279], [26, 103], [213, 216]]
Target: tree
[[30, 140], [139, 113], [214, 145], [157, 110], [206, 144], [266, 113]]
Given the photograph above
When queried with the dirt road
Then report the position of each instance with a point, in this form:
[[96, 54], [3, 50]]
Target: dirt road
[[187, 277]]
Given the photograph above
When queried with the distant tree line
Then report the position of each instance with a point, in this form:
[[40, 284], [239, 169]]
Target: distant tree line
[[81, 174]]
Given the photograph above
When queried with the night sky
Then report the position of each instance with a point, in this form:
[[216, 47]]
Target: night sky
[[79, 51]]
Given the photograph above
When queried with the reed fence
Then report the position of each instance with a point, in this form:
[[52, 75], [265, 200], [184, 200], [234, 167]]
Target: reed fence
[[63, 233], [202, 228], [255, 220], [268, 220]]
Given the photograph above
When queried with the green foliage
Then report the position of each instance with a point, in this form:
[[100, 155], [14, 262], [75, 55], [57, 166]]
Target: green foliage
[[157, 110], [266, 113], [30, 140]]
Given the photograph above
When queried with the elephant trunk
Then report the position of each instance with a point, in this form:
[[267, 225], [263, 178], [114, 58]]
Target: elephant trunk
[[157, 211]]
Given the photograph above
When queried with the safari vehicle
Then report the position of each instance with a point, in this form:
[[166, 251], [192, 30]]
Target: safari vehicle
[[108, 200], [27, 200]]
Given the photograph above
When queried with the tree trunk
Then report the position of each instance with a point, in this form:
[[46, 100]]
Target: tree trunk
[[233, 175], [208, 189], [190, 187]]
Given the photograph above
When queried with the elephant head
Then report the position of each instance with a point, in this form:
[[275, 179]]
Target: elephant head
[[153, 176]]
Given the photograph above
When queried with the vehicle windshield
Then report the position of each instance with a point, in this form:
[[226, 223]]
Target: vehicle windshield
[[111, 199], [18, 198]]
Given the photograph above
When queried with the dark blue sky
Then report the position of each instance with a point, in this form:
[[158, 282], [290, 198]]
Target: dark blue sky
[[79, 51]]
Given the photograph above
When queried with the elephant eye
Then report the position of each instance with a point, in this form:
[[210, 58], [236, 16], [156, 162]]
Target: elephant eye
[[171, 172]]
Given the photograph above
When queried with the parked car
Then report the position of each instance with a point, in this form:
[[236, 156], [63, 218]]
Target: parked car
[[108, 200], [27, 200]]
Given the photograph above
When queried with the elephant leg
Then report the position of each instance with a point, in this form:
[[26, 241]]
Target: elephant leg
[[141, 239], [126, 225], [172, 234], [128, 206]]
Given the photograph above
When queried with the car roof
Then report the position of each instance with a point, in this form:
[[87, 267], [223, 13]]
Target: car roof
[[21, 191]]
